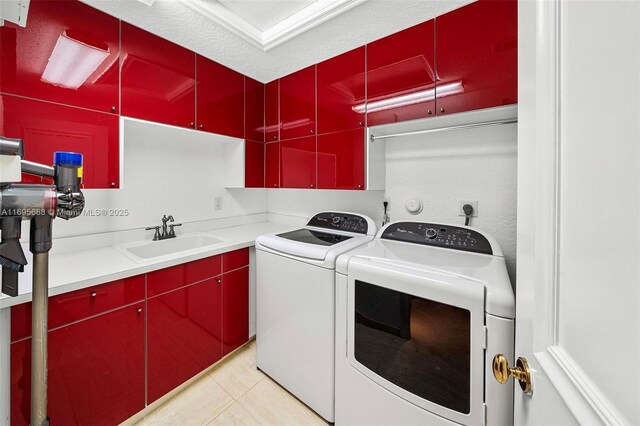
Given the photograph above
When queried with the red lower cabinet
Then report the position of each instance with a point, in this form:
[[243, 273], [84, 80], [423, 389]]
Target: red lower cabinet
[[183, 335], [341, 158], [96, 370], [235, 309]]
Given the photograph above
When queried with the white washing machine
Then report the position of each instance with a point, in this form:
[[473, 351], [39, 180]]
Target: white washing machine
[[420, 312], [295, 304]]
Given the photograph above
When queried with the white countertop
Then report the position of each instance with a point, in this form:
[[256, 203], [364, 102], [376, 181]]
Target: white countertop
[[73, 270]]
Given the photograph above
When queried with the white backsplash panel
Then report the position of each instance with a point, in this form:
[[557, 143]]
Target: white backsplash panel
[[166, 170]]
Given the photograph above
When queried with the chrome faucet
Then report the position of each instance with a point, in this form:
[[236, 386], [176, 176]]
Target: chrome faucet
[[166, 233]]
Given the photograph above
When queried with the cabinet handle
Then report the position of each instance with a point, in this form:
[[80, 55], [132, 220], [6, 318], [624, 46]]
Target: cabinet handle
[[139, 310], [429, 112], [360, 123], [441, 109], [93, 293], [311, 131], [192, 124], [113, 109], [201, 126], [312, 186], [113, 184], [219, 281], [275, 138], [275, 185], [360, 186]]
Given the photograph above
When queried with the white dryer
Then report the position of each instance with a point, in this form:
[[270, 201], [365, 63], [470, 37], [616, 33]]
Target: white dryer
[[295, 303], [420, 312]]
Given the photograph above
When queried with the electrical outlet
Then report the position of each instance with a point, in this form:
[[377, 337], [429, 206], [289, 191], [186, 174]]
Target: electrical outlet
[[474, 204], [218, 203]]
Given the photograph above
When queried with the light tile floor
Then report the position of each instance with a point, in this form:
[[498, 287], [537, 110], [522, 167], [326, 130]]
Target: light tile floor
[[234, 393]]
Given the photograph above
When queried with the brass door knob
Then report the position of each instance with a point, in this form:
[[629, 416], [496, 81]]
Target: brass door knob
[[521, 373]]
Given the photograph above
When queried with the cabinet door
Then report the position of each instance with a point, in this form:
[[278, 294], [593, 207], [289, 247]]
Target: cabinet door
[[341, 158], [254, 164], [68, 53], [220, 99], [253, 110], [298, 104], [183, 335], [272, 165], [235, 259], [341, 92], [46, 128], [401, 76], [272, 121], [477, 56], [96, 370], [235, 309], [298, 163], [157, 78]]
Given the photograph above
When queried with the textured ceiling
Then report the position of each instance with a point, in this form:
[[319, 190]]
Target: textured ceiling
[[264, 14], [362, 24]]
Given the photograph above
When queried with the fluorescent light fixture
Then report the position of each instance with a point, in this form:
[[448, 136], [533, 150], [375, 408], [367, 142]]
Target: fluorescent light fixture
[[410, 98], [72, 62], [147, 2]]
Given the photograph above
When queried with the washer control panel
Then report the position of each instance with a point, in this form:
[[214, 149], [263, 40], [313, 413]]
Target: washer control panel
[[432, 234], [340, 221]]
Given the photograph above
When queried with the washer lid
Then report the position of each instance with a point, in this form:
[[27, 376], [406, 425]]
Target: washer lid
[[314, 237], [319, 245]]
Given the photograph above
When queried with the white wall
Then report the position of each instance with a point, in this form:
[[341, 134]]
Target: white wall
[[443, 168], [167, 170], [292, 205], [438, 168]]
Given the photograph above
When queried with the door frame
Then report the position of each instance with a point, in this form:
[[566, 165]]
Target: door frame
[[539, 180]]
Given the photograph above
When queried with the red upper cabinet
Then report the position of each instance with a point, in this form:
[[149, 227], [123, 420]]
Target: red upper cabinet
[[220, 98], [272, 165], [272, 121], [477, 56], [298, 163], [253, 110], [401, 76], [341, 92], [298, 104], [67, 53], [157, 78], [341, 158], [254, 164], [46, 128]]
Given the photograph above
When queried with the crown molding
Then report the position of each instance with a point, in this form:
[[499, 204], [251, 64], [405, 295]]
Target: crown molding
[[292, 26]]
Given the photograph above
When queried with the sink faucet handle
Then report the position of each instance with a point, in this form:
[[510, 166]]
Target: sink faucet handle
[[172, 233], [156, 236]]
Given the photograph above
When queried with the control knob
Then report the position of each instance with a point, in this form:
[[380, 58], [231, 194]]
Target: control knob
[[431, 233], [337, 220]]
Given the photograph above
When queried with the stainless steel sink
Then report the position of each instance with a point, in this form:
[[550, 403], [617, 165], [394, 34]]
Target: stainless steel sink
[[148, 250]]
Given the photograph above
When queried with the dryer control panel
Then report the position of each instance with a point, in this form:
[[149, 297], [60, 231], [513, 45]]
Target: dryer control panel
[[340, 221], [432, 234]]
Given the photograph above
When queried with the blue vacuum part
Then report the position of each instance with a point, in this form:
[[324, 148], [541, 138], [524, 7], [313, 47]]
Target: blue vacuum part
[[61, 158]]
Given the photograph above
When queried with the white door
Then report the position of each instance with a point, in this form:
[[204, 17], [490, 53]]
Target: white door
[[578, 285]]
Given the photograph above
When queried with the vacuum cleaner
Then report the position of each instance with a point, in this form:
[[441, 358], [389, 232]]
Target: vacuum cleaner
[[40, 204]]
